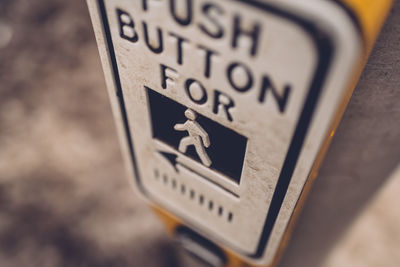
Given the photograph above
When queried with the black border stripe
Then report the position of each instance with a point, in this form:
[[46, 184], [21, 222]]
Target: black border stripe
[[325, 48], [119, 92], [351, 14]]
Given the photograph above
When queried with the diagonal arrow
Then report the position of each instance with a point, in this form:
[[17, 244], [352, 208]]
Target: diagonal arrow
[[171, 158]]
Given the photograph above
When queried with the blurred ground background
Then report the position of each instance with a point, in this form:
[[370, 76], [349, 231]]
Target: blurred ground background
[[64, 197]]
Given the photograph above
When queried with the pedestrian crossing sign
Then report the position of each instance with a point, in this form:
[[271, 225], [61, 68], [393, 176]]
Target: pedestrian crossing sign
[[224, 108]]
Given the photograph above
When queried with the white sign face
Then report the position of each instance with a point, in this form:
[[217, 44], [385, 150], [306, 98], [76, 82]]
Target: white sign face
[[225, 105]]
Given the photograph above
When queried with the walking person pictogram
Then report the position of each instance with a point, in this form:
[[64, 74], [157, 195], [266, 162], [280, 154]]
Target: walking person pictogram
[[198, 137]]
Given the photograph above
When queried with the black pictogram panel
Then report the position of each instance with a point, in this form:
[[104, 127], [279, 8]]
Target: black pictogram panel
[[227, 148]]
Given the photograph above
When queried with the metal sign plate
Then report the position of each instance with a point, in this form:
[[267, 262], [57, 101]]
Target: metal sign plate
[[224, 105]]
